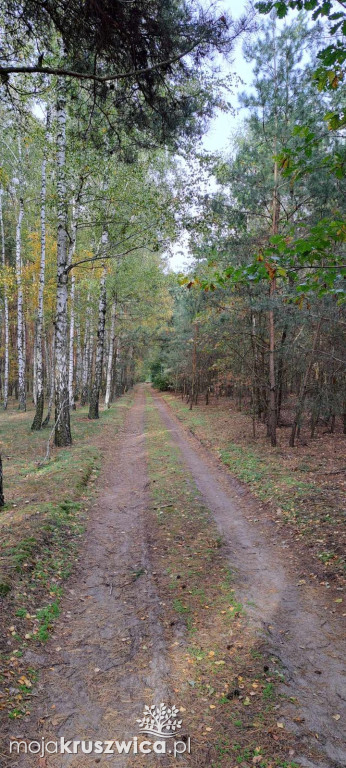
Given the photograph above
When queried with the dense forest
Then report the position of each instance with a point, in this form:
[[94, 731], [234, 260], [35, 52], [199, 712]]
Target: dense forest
[[104, 169], [264, 319]]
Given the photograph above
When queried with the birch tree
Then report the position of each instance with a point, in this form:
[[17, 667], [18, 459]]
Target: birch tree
[[110, 355], [62, 406], [50, 367], [75, 212], [87, 352], [37, 422], [95, 392], [20, 305], [6, 318]]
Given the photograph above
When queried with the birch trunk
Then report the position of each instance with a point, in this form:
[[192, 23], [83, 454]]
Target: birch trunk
[[110, 356], [86, 355], [2, 500], [20, 312], [79, 363], [51, 379], [37, 422], [6, 320], [72, 307], [117, 374], [62, 407], [95, 392], [34, 367]]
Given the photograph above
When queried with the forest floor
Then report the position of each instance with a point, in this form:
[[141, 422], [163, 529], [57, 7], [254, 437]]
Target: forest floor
[[179, 592], [301, 489]]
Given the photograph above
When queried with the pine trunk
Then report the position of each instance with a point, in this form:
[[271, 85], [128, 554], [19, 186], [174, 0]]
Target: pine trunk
[[272, 417]]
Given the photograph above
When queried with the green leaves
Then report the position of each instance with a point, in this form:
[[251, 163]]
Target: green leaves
[[312, 262]]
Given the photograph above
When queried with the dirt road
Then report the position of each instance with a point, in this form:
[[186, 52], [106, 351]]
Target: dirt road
[[289, 613], [107, 657]]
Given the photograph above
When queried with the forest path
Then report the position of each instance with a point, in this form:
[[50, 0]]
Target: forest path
[[108, 657], [290, 614]]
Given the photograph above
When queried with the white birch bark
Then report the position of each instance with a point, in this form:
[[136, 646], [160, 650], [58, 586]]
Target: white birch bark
[[62, 407], [37, 422], [79, 363], [75, 210], [117, 377], [110, 356], [6, 320], [20, 312], [95, 393], [34, 367], [86, 354]]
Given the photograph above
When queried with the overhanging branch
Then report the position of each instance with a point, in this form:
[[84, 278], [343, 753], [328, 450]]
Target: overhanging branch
[[60, 72]]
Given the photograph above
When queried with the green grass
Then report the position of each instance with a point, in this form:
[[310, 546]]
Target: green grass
[[46, 617]]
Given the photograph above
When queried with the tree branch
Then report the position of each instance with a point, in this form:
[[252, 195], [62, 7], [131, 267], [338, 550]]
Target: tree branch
[[27, 70]]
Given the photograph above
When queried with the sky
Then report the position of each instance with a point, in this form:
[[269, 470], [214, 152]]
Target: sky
[[224, 124]]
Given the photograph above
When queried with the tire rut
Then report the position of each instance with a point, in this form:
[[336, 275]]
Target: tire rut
[[107, 657], [290, 616]]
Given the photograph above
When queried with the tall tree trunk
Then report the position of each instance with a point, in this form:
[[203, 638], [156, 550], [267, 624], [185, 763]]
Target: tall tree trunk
[[304, 387], [95, 392], [72, 249], [281, 374], [117, 372], [50, 379], [272, 377], [2, 500], [20, 312], [34, 367], [6, 319], [110, 356], [37, 422], [62, 406], [194, 365], [86, 354], [79, 363], [272, 422]]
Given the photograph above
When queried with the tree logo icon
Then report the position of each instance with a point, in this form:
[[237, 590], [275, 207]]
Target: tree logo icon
[[160, 721]]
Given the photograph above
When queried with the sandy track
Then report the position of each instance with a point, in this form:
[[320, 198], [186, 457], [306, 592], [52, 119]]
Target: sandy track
[[108, 660], [291, 616], [107, 657]]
